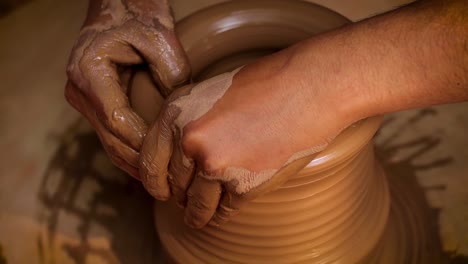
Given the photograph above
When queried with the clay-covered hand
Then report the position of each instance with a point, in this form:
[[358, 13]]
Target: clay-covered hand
[[223, 142], [116, 35]]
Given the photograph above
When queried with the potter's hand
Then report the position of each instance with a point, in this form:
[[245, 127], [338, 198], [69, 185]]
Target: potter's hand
[[118, 34], [227, 140]]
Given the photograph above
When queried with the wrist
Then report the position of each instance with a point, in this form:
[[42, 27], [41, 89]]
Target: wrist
[[409, 58], [328, 71]]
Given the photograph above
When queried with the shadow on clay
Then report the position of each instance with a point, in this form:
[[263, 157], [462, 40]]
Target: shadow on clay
[[2, 257], [403, 172], [80, 181], [85, 197], [7, 6]]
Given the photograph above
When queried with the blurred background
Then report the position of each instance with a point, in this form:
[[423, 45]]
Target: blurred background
[[62, 201]]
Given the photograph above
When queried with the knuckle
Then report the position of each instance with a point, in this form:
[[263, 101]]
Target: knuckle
[[71, 98], [88, 55], [196, 203], [116, 160], [190, 141], [196, 144], [155, 187], [225, 212], [70, 70], [174, 180], [111, 152], [114, 119], [148, 166], [175, 187], [195, 221], [156, 192], [73, 73], [220, 218], [106, 117], [194, 135], [179, 75], [194, 138], [69, 94], [212, 164], [85, 64]]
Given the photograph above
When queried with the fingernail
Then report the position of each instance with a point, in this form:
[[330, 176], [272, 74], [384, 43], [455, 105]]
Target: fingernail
[[192, 222], [188, 221], [213, 223], [180, 204]]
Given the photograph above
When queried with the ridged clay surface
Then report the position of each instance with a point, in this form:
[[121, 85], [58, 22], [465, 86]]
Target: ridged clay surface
[[337, 209]]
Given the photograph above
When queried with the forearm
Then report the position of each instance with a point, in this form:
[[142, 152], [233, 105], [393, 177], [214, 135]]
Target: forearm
[[425, 60], [412, 57]]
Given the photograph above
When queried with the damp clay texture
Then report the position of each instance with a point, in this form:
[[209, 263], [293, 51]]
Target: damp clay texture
[[338, 209]]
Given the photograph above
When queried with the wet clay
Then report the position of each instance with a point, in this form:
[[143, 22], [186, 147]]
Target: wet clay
[[337, 209], [192, 106], [122, 32]]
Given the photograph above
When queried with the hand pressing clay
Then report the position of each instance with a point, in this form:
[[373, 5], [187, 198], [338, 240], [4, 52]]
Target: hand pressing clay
[[197, 152], [116, 35], [336, 210]]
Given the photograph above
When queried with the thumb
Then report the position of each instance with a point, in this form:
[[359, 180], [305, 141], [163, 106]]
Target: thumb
[[162, 50]]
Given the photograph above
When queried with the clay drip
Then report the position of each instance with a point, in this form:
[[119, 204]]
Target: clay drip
[[210, 91]]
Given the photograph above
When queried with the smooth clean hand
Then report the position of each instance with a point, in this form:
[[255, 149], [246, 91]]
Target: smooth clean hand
[[117, 35]]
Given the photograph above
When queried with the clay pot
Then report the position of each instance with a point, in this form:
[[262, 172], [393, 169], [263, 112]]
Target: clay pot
[[335, 209]]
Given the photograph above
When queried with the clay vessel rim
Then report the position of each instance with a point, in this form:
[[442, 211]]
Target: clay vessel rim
[[244, 5], [357, 135]]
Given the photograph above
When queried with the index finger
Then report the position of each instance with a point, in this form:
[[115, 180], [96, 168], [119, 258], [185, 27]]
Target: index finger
[[158, 149], [104, 91], [121, 155], [231, 202]]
